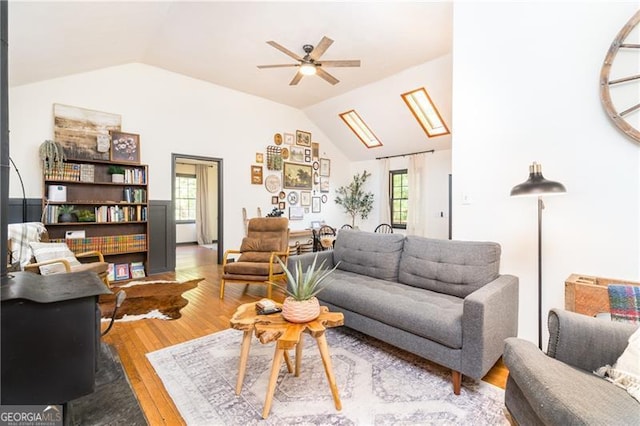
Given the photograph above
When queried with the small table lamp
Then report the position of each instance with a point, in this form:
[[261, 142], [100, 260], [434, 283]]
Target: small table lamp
[[537, 185]]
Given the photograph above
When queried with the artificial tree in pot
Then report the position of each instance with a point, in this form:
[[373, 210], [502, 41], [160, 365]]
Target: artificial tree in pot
[[354, 199], [301, 304]]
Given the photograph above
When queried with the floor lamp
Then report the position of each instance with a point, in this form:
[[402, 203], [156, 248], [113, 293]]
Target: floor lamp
[[537, 185]]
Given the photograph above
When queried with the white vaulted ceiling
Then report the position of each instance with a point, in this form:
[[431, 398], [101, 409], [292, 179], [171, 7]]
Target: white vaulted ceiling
[[222, 42]]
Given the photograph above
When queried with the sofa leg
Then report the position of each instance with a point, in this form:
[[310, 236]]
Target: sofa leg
[[456, 378]]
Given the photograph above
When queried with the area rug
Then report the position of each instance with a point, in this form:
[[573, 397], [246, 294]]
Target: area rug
[[148, 299], [113, 401], [378, 385]]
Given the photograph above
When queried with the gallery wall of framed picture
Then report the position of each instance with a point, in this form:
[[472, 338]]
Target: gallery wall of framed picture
[[294, 174]]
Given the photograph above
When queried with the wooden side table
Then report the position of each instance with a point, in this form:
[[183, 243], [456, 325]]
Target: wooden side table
[[287, 335]]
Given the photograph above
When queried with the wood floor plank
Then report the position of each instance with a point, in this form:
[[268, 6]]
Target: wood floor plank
[[205, 314]]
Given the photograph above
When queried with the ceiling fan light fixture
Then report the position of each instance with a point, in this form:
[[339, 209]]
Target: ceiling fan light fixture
[[307, 68]]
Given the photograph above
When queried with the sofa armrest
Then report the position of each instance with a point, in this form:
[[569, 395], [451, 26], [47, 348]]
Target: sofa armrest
[[490, 315], [586, 342], [307, 260]]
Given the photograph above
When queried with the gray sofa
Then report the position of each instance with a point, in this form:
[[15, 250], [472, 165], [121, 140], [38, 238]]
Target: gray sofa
[[442, 300], [559, 388]]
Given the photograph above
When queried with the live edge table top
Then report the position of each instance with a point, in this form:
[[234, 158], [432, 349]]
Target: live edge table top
[[270, 328]]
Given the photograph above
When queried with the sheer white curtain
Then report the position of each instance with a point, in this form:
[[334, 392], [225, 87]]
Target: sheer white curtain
[[416, 211], [385, 208], [203, 210]]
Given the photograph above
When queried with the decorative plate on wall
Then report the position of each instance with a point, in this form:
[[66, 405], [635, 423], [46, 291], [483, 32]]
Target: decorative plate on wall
[[272, 183], [292, 198]]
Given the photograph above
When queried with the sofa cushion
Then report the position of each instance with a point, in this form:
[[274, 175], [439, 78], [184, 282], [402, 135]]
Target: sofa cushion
[[457, 268], [260, 244], [368, 253], [428, 314]]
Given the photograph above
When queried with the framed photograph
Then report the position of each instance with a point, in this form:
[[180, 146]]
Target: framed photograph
[[297, 176], [324, 184], [296, 154], [296, 213], [325, 167], [305, 198], [315, 150], [315, 224], [289, 138], [274, 199], [256, 175], [324, 198], [281, 205], [282, 195], [125, 148], [303, 138], [316, 178], [259, 157], [122, 271], [307, 159], [315, 204]]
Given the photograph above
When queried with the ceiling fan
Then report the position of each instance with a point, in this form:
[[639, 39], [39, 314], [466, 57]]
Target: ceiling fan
[[310, 64]]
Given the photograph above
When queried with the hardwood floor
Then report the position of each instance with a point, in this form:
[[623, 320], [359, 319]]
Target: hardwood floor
[[205, 314]]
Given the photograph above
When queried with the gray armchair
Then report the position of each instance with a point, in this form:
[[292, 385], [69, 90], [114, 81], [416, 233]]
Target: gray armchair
[[559, 388]]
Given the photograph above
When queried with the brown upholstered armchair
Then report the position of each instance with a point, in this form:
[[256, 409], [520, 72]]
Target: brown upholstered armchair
[[267, 238]]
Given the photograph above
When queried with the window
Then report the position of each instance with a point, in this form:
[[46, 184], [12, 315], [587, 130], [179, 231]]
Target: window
[[425, 111], [185, 198], [360, 128], [399, 196]]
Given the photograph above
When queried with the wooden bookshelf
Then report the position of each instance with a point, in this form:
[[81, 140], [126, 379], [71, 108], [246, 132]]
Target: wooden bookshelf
[[112, 216]]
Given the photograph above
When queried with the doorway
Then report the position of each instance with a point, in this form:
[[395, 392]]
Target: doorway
[[197, 202]]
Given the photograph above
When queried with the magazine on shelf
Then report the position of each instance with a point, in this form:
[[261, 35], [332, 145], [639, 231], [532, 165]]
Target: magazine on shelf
[[137, 270], [122, 271]]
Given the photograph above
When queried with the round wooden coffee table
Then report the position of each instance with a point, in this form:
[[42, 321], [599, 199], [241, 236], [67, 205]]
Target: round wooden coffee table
[[287, 335]]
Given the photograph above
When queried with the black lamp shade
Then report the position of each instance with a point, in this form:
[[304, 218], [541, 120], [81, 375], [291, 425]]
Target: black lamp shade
[[537, 184]]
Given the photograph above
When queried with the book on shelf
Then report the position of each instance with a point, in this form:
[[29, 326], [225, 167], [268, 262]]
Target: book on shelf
[[122, 271], [137, 270], [111, 272]]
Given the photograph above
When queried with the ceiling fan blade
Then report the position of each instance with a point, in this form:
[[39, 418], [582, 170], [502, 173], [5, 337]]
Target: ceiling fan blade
[[278, 66], [284, 50], [344, 63], [325, 75], [296, 78], [320, 48]]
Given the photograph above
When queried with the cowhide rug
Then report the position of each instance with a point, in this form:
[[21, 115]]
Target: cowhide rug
[[148, 299]]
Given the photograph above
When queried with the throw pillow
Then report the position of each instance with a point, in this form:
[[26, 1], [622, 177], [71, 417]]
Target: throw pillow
[[50, 251], [626, 371]]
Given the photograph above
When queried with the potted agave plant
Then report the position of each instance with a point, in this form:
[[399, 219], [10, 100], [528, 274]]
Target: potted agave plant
[[301, 304]]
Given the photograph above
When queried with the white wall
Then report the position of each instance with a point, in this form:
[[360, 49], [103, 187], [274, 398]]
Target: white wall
[[436, 186], [173, 114], [525, 88]]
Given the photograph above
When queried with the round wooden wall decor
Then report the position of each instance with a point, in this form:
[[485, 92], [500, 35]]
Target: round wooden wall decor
[[615, 92]]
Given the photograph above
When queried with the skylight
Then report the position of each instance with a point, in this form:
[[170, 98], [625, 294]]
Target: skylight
[[423, 109], [359, 127]]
